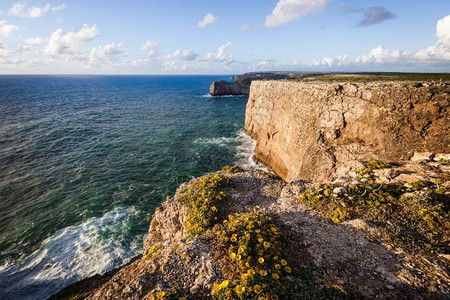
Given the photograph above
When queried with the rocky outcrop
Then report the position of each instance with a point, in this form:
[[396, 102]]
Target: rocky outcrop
[[351, 255], [241, 85], [308, 129]]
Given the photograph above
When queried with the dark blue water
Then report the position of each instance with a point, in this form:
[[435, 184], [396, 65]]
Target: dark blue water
[[85, 160]]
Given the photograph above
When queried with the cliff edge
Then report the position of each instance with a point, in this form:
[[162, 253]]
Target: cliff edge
[[308, 129], [241, 84]]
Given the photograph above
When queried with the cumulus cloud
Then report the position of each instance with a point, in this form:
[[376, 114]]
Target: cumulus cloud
[[381, 55], [151, 47], [6, 29], [440, 50], [21, 9], [67, 43], [438, 53], [289, 10], [186, 55], [376, 14], [220, 56], [328, 61], [207, 20], [29, 44], [107, 53]]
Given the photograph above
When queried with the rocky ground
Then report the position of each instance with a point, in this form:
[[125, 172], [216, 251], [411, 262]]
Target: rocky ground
[[194, 248]]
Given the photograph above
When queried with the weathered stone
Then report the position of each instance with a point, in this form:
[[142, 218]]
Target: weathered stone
[[422, 156], [306, 130]]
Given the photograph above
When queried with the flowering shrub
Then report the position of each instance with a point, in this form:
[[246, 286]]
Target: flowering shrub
[[205, 200], [232, 169], [254, 245], [414, 221]]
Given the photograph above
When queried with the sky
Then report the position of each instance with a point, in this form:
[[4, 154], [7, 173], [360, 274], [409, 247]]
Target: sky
[[223, 37]]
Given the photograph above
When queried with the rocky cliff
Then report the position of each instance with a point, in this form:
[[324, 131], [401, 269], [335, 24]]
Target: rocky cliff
[[380, 230], [308, 129], [246, 235], [241, 84]]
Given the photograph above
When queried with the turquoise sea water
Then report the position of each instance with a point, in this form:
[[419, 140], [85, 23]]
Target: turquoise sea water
[[85, 160]]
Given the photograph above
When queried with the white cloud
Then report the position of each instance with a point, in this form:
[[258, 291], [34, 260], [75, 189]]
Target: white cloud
[[6, 29], [29, 44], [220, 56], [34, 41], [207, 20], [107, 53], [7, 56], [440, 50], [438, 53], [289, 10], [21, 9], [381, 55], [187, 55], [173, 66], [149, 45], [327, 61], [67, 43]]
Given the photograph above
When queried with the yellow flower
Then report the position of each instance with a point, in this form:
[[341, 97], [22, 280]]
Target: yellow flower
[[261, 260], [257, 288], [277, 266], [239, 289], [262, 298], [160, 294], [266, 244], [288, 269], [213, 208], [200, 229], [245, 276], [247, 264], [224, 284], [232, 255], [251, 272], [275, 276], [263, 273], [238, 257], [233, 238], [216, 287], [182, 298], [260, 240], [283, 262], [241, 249]]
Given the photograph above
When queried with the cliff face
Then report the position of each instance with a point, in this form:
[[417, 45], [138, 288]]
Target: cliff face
[[241, 85], [306, 130]]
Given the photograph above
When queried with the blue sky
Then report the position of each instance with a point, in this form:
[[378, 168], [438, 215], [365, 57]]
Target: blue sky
[[223, 37]]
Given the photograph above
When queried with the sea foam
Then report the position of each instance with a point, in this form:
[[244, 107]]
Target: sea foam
[[71, 254]]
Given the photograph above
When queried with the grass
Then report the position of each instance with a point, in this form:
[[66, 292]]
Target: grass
[[369, 77]]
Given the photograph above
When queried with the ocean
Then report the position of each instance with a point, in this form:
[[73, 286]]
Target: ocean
[[85, 160]]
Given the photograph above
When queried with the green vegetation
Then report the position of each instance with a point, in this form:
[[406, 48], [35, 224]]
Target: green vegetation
[[206, 201], [414, 216], [368, 77]]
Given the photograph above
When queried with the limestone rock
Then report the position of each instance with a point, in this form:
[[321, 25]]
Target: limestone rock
[[307, 130]]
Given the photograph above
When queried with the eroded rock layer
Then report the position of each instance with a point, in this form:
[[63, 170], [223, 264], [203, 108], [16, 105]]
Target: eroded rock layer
[[306, 130]]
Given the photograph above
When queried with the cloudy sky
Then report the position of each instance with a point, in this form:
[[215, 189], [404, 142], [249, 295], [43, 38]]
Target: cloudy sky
[[223, 37]]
